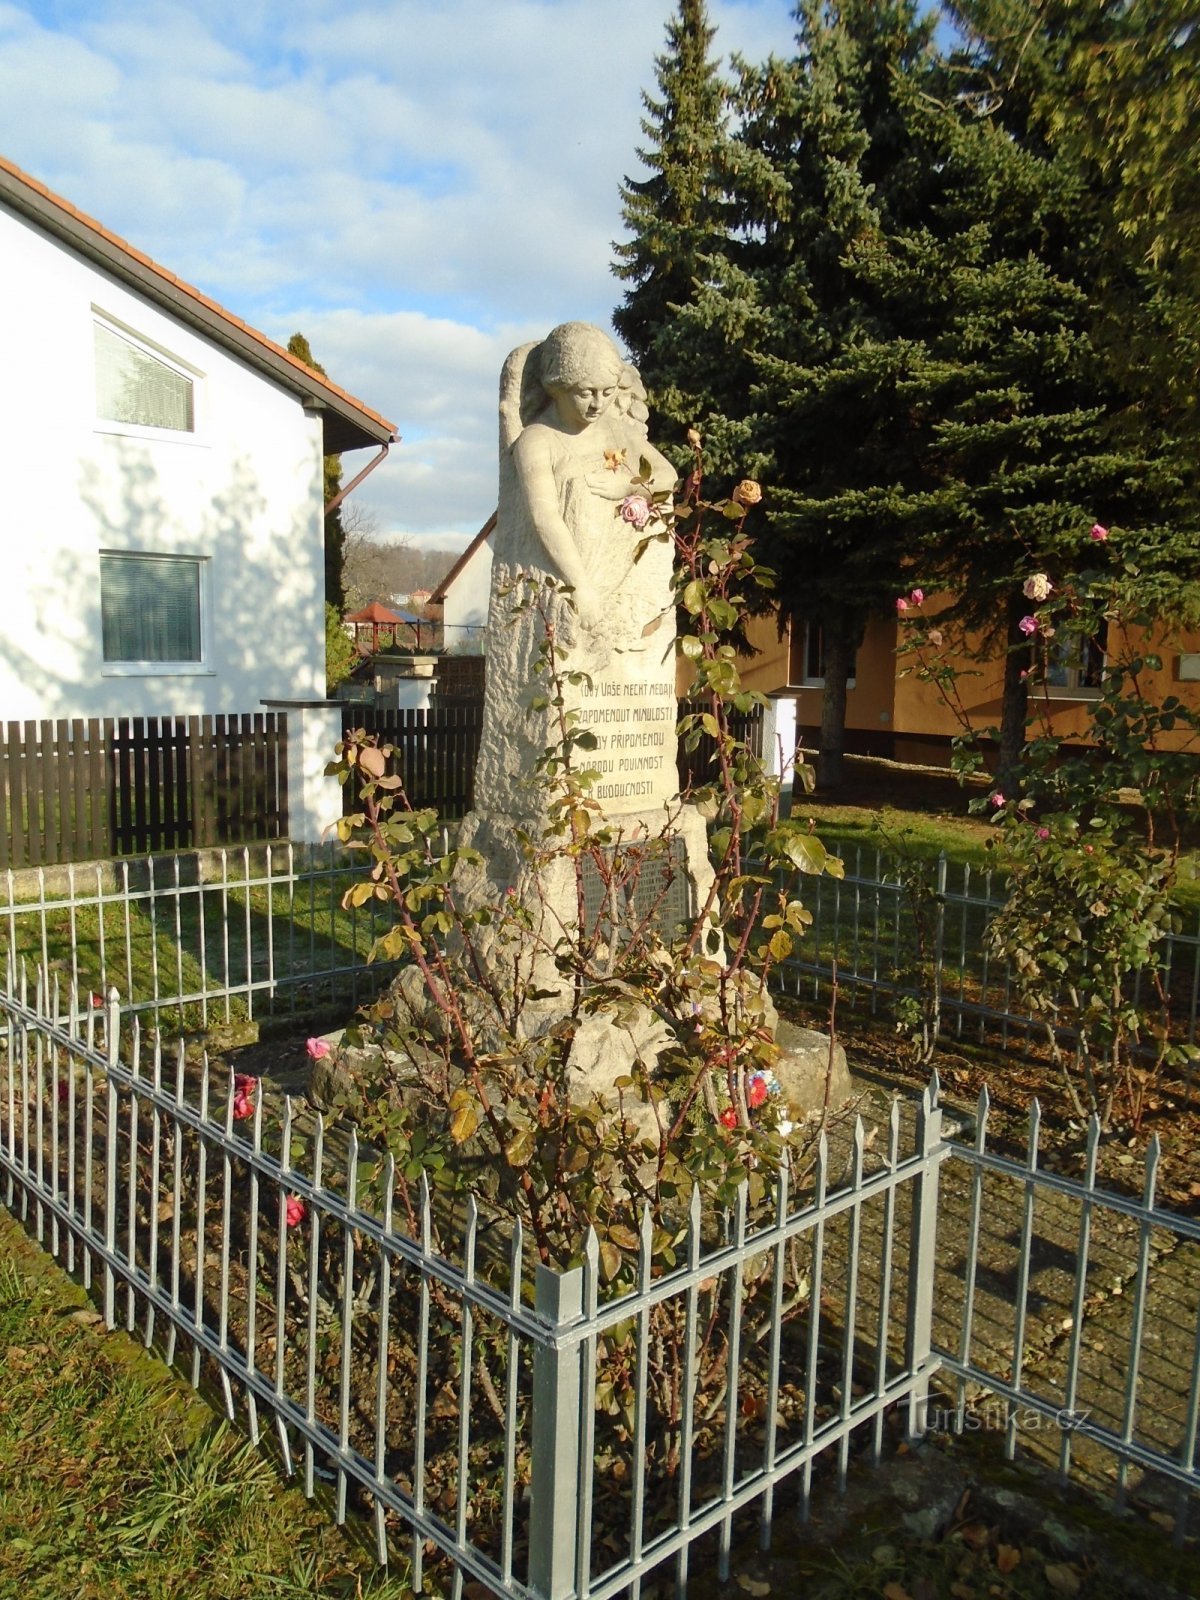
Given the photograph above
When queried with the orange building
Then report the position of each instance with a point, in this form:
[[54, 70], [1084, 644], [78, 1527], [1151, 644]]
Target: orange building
[[890, 712]]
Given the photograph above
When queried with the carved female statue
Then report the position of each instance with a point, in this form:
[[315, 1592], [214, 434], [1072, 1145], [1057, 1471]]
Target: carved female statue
[[572, 434]]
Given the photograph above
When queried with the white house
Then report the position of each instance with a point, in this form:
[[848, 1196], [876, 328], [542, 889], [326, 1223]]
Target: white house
[[162, 517], [461, 599]]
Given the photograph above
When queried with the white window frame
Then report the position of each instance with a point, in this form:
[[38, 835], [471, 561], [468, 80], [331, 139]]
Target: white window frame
[[141, 430], [1073, 689], [805, 681], [164, 669]]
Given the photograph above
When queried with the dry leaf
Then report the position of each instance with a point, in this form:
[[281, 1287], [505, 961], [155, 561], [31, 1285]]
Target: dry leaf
[[895, 1591], [962, 1591], [1062, 1578], [752, 1586], [1007, 1557], [974, 1534], [85, 1316]]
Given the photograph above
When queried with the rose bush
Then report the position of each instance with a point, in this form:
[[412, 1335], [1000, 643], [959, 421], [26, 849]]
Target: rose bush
[[1092, 843]]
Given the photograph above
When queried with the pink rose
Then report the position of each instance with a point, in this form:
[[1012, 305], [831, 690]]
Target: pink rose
[[1098, 533], [637, 509], [901, 604], [1038, 587], [998, 800], [317, 1048], [1043, 833], [1028, 625], [243, 1095], [917, 597], [296, 1210]]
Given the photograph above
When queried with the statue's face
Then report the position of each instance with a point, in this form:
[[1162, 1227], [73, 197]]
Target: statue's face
[[581, 404]]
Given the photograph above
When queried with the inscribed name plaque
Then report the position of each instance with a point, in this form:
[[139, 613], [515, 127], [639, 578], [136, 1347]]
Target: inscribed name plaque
[[656, 888]]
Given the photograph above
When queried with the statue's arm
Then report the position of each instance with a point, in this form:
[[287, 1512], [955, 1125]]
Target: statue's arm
[[535, 474]]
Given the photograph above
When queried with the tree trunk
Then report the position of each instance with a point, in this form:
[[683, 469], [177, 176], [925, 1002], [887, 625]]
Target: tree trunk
[[839, 655], [1015, 705]]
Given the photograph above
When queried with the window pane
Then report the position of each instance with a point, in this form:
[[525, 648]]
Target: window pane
[[134, 386], [150, 608]]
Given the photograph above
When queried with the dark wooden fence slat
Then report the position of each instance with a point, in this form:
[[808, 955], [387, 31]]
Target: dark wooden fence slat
[[33, 790]]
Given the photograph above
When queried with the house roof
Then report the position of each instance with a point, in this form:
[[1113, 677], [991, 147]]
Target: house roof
[[438, 597], [349, 424]]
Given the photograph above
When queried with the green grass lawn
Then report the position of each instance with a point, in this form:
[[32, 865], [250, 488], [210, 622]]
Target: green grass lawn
[[897, 814], [117, 1481]]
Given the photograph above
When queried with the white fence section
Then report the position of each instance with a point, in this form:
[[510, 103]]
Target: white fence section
[[201, 938], [547, 1439], [205, 937]]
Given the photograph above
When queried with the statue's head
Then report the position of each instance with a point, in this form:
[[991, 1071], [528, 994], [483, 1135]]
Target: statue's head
[[578, 354], [581, 370]]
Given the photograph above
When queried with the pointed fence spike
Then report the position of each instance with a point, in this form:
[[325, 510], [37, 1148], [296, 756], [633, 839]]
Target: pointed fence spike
[[285, 1137], [389, 1190], [1153, 1151], [591, 1248]]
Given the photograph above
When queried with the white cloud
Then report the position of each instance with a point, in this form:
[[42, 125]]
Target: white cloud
[[417, 187]]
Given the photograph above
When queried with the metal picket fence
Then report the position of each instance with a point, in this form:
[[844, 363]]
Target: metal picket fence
[[546, 1436], [261, 931], [202, 937], [916, 931]]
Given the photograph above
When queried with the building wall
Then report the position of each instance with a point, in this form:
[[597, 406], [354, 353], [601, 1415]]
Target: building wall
[[465, 610], [242, 493], [891, 712]]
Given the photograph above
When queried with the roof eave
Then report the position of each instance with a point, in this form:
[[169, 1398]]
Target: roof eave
[[347, 427]]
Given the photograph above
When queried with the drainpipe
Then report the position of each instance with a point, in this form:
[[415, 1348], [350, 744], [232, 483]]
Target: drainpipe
[[333, 504]]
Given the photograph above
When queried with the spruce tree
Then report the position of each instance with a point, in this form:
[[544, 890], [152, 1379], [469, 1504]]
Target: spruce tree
[[1053, 429], [799, 364], [676, 216], [335, 594]]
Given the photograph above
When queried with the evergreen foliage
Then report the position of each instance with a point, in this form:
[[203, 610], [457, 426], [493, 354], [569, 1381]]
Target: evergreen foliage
[[335, 595], [903, 330], [676, 216]]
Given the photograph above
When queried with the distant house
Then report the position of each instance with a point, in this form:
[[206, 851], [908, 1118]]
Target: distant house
[[163, 516], [461, 599]]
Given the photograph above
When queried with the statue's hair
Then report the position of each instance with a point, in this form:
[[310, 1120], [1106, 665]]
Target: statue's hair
[[575, 351]]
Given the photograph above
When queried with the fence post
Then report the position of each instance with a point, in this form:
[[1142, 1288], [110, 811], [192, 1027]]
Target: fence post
[[779, 745], [554, 1491], [939, 947], [314, 801], [112, 1043], [922, 1258]]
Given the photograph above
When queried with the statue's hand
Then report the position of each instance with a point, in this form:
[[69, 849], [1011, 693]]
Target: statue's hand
[[589, 607], [607, 485]]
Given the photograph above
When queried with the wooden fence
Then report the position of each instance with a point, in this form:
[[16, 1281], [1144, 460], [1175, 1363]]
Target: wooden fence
[[437, 749], [85, 790]]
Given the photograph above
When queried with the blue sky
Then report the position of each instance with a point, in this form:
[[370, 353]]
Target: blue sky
[[418, 185]]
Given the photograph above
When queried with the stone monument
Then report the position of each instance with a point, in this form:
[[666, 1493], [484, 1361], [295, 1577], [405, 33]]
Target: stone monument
[[573, 437]]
